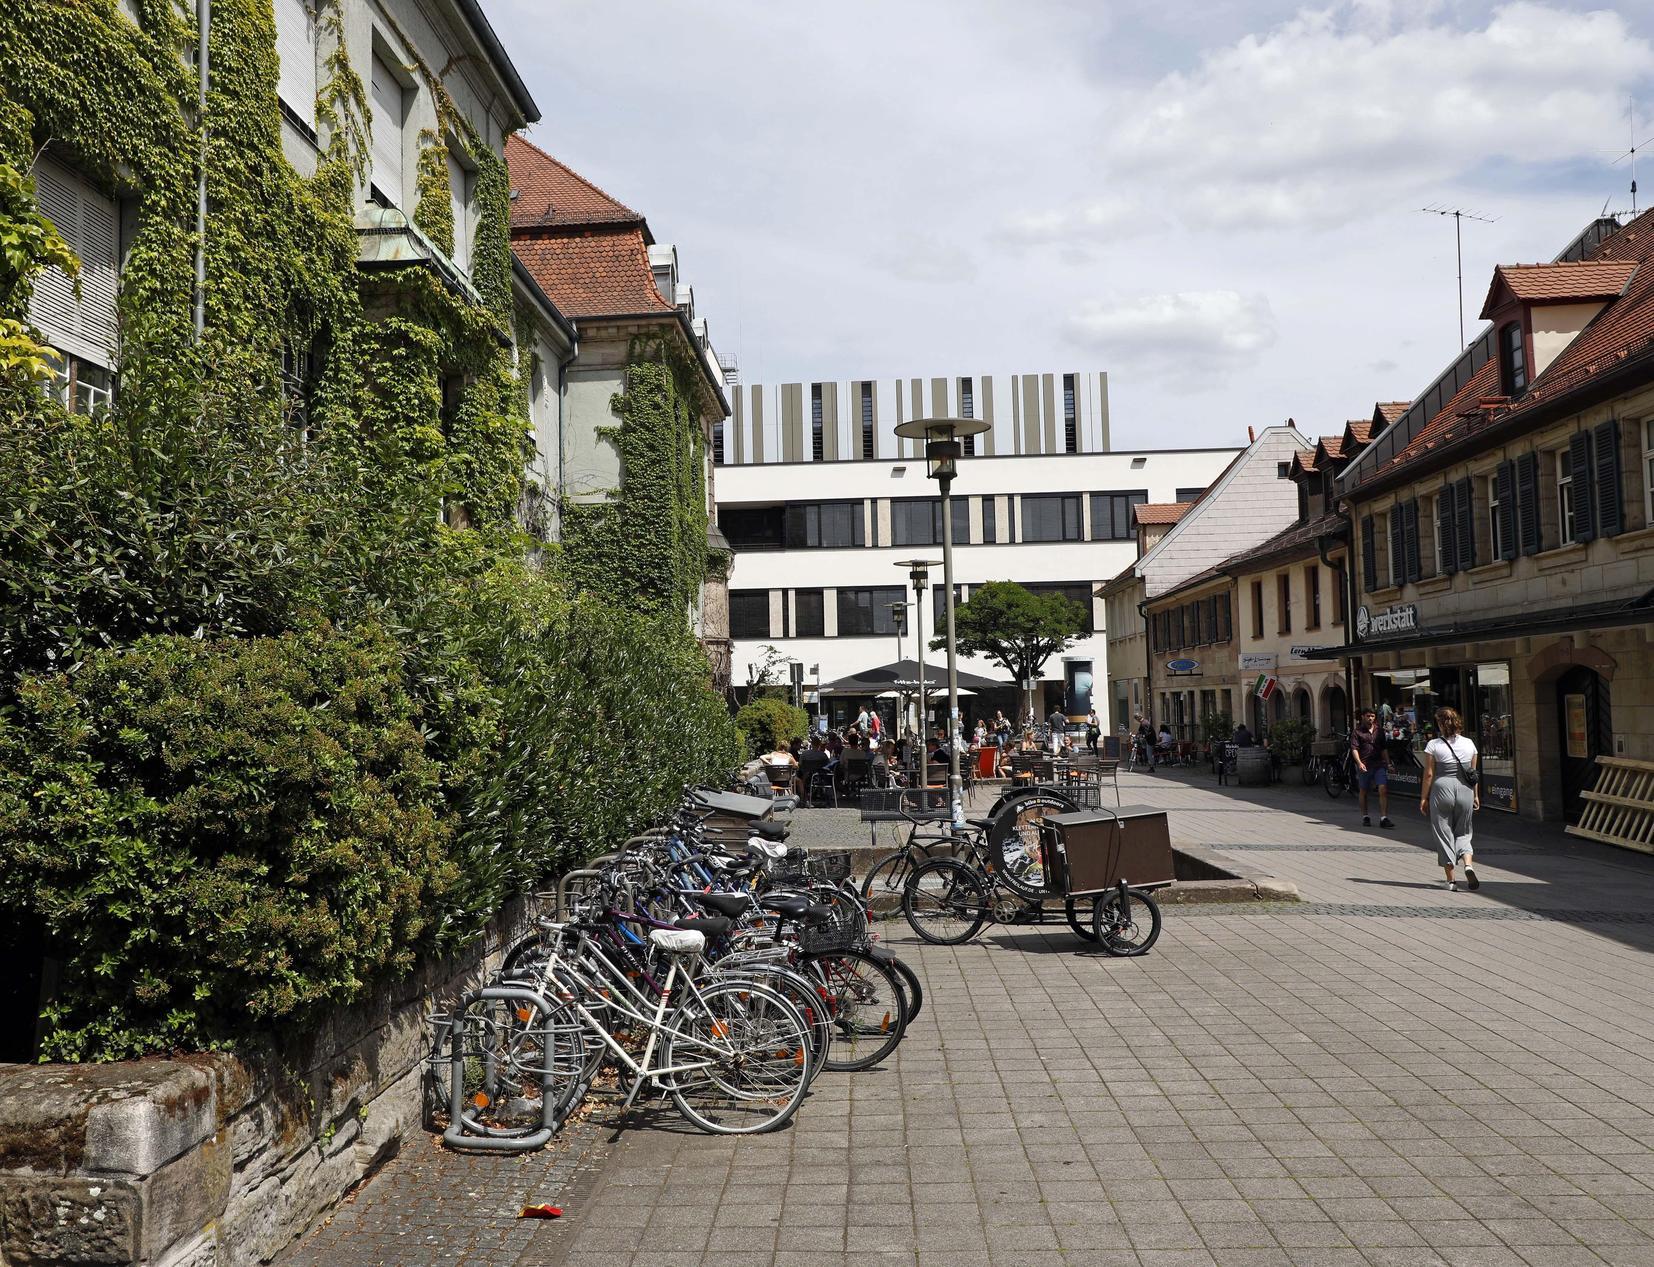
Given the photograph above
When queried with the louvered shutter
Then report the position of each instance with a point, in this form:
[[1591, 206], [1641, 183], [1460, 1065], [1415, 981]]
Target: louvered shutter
[[1609, 494], [388, 116], [1410, 539], [1398, 544], [1527, 503], [459, 195], [86, 219], [1505, 482], [1369, 556], [296, 49], [1465, 525], [1447, 517], [1585, 520]]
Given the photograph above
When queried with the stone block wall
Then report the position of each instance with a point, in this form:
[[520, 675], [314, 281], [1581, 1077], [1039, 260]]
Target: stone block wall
[[221, 1160]]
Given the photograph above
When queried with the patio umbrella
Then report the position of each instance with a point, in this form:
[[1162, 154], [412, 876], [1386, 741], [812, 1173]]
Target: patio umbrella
[[903, 675]]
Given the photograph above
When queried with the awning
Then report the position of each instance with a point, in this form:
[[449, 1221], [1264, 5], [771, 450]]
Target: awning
[[903, 675], [1635, 611]]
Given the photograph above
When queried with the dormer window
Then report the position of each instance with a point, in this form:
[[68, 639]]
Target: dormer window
[[1513, 361]]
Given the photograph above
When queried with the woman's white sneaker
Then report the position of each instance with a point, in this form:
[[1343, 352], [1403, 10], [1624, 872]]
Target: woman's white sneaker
[[1470, 880], [1449, 886]]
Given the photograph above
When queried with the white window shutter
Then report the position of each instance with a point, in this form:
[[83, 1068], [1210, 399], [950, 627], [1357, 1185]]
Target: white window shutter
[[459, 185], [296, 49], [87, 219], [389, 113]]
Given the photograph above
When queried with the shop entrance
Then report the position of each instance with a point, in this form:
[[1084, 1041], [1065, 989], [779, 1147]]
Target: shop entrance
[[1582, 709]]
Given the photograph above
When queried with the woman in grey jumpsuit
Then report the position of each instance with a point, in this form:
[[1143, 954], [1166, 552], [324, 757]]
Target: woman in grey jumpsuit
[[1447, 798]]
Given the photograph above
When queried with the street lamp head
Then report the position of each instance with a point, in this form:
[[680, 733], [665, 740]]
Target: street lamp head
[[942, 437], [898, 613], [918, 570]]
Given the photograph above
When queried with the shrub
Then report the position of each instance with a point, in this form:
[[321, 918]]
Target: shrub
[[220, 834], [770, 724], [1217, 727], [1290, 738]]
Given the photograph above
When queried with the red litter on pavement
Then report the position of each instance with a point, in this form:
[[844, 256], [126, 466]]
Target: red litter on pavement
[[541, 1212]]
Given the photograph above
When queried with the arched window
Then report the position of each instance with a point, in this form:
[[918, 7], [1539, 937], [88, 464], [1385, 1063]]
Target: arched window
[[1513, 361]]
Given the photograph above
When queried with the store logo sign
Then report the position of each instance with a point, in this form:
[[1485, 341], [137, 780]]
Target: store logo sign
[[1402, 618], [1183, 666]]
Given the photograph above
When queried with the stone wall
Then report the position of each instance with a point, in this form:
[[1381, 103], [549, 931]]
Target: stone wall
[[220, 1160]]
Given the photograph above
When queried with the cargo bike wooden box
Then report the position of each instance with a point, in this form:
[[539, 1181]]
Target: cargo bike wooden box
[[1102, 865]]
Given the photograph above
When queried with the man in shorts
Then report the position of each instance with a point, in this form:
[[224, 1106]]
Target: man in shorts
[[1372, 766]]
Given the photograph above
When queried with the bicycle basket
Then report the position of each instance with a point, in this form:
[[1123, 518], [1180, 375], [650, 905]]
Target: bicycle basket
[[845, 930], [792, 866], [829, 865]]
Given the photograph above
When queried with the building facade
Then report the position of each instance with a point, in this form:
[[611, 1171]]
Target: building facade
[[1504, 530], [1127, 629], [820, 502]]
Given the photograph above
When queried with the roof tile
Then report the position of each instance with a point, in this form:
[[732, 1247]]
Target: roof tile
[[596, 273], [1161, 512], [549, 193], [1560, 283]]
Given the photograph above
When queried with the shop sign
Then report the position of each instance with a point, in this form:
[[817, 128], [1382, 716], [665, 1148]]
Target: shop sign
[[1402, 618], [1257, 661], [1303, 652], [1579, 743], [1183, 666]]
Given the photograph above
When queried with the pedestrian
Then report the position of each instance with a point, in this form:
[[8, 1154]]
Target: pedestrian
[[861, 720], [1093, 731], [875, 729], [1058, 723], [1452, 792], [1372, 766], [1145, 740]]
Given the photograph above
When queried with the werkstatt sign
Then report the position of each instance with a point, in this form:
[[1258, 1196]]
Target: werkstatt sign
[[1386, 622]]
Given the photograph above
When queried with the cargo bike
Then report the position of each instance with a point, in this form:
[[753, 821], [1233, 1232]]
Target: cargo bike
[[1102, 865]]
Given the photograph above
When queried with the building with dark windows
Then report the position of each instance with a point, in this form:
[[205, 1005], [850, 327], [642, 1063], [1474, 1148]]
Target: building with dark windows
[[820, 501]]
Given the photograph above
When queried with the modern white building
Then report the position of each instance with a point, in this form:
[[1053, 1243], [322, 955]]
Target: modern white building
[[820, 503]]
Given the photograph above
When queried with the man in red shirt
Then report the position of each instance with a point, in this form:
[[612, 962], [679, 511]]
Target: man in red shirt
[[1372, 766]]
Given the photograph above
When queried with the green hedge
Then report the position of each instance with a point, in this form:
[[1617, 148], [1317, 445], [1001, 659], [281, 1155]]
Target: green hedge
[[769, 724]]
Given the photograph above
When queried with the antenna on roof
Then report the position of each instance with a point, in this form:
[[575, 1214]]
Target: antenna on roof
[[1631, 109], [1459, 214]]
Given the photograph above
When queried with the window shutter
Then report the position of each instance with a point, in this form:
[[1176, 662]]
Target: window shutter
[[1610, 496], [1527, 502], [1465, 526], [86, 219], [1447, 514], [1369, 556], [1398, 544], [1410, 537], [296, 50], [389, 114], [1585, 520], [1505, 482], [459, 200]]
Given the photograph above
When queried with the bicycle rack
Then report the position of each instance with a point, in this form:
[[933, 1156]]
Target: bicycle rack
[[450, 1048]]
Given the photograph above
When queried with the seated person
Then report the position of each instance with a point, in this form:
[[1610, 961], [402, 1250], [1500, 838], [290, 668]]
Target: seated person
[[1165, 743], [1242, 737]]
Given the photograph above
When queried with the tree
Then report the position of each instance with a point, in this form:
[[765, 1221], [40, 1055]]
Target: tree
[[1016, 629]]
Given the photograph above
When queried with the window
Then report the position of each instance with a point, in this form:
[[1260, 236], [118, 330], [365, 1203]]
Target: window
[[81, 387], [1010, 520], [1398, 546], [961, 516], [460, 186], [867, 611], [867, 420], [1283, 601], [1648, 470], [1369, 554], [816, 437], [989, 536], [1051, 517], [1189, 494], [1111, 515], [1441, 520], [1496, 528], [809, 614], [1513, 360], [296, 53], [1565, 495], [1283, 470], [717, 444], [1257, 609], [826, 526], [753, 527], [967, 409], [916, 521], [297, 373], [1079, 592], [389, 115], [1312, 597], [749, 613], [1338, 583], [1070, 419], [1226, 619], [80, 325]]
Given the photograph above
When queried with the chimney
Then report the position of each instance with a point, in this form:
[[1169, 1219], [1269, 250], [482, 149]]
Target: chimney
[[1250, 435], [1292, 424]]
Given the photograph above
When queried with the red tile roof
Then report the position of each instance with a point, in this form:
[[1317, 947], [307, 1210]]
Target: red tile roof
[[1559, 283], [1304, 460], [1298, 540], [1161, 512], [549, 193], [1359, 431], [594, 273], [1388, 411], [1331, 447]]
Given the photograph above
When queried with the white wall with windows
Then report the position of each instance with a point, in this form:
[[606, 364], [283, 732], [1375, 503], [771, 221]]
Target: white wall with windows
[[817, 546]]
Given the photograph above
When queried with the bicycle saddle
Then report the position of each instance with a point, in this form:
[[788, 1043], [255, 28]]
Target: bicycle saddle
[[711, 927], [981, 824], [678, 941], [818, 913], [730, 904], [769, 830], [791, 907]]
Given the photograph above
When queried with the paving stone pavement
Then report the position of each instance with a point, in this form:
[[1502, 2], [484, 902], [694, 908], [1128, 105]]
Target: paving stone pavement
[[1365, 1077]]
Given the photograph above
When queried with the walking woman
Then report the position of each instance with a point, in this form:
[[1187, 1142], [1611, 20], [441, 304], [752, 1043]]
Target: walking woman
[[1452, 792]]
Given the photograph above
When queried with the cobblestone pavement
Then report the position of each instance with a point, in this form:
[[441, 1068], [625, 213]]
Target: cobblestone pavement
[[1386, 1073]]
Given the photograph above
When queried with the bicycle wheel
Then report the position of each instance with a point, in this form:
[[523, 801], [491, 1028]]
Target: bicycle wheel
[[521, 1066], [909, 981], [1333, 778], [804, 994], [881, 889], [746, 1049], [1127, 928], [1076, 923], [867, 1007], [1312, 770], [946, 902]]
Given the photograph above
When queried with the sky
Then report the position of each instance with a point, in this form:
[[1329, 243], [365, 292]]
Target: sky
[[1216, 201]]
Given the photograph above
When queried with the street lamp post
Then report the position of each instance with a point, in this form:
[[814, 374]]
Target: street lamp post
[[918, 571], [898, 617], [942, 437]]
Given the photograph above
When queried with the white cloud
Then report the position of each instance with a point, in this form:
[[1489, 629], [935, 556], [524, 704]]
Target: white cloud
[[1190, 337], [925, 260], [1103, 219]]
